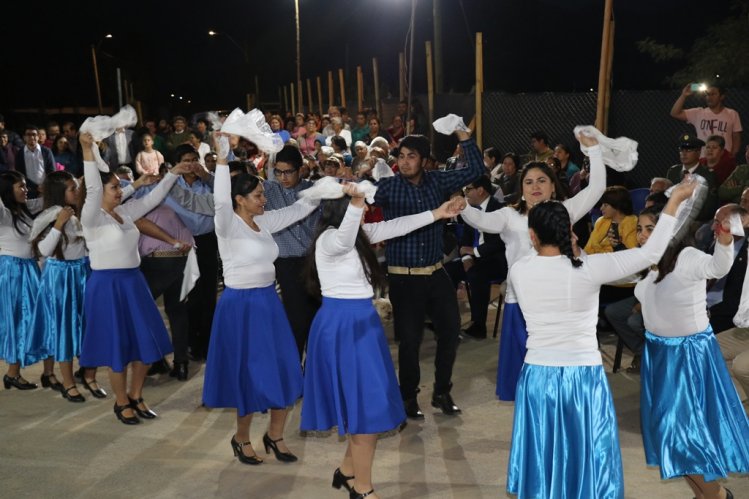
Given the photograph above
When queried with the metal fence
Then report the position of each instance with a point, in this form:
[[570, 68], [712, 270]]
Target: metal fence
[[510, 119]]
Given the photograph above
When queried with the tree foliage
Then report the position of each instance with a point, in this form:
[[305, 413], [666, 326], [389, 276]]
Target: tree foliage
[[723, 50]]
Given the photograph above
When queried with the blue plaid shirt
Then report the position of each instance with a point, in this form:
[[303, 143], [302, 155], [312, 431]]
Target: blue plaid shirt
[[399, 197], [296, 239]]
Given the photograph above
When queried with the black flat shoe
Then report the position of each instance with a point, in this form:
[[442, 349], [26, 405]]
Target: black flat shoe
[[445, 403], [341, 480], [80, 373], [128, 420], [72, 398], [179, 371], [18, 382], [356, 495], [158, 367], [50, 381], [413, 411], [96, 392], [144, 413], [237, 448], [286, 457]]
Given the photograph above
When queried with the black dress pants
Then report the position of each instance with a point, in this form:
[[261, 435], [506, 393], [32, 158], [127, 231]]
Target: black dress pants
[[201, 302], [300, 306]]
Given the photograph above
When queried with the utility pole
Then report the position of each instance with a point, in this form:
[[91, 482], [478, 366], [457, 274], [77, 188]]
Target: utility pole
[[437, 54]]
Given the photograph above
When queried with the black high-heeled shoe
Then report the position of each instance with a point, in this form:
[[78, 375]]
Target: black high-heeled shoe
[[72, 398], [50, 381], [96, 392], [128, 420], [146, 413], [237, 448], [18, 382], [341, 480], [356, 495], [286, 457]]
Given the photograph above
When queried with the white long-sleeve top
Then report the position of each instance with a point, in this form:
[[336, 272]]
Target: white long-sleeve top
[[13, 242], [248, 255], [74, 250], [113, 245], [338, 264], [560, 302], [512, 226], [677, 305]]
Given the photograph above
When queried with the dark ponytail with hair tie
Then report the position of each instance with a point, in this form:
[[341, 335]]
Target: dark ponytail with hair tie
[[551, 223]]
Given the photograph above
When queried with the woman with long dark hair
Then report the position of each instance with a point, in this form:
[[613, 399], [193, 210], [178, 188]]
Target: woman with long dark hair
[[564, 437], [693, 423], [350, 380], [123, 325], [57, 324], [253, 364], [19, 277], [538, 183]]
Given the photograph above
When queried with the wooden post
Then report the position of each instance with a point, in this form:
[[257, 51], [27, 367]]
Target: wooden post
[[293, 99], [376, 76], [331, 100], [249, 101], [310, 106], [359, 88], [139, 111], [401, 77], [285, 98], [132, 92], [604, 65], [127, 92], [343, 87], [430, 88], [479, 87], [319, 94], [299, 94], [609, 65]]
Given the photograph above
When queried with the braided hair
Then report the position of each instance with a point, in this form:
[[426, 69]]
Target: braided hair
[[551, 223]]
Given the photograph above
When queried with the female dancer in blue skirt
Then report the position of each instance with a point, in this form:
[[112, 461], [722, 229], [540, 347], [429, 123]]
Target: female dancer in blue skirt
[[349, 379], [538, 183], [123, 325], [693, 423], [564, 437], [19, 276], [252, 363], [57, 320]]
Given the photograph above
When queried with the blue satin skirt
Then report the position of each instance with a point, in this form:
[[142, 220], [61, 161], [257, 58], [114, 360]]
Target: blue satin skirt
[[565, 443], [693, 422], [253, 362], [57, 321], [19, 285], [349, 377], [123, 323], [511, 351]]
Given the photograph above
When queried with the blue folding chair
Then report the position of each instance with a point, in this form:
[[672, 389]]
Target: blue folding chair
[[638, 198]]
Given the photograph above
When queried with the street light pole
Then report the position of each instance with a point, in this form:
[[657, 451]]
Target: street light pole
[[245, 54], [96, 78], [298, 58]]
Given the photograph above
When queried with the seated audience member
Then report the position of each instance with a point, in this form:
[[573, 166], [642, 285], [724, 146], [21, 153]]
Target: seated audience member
[[730, 190], [8, 152], [564, 154], [507, 182], [734, 345], [64, 155], [482, 257], [457, 161], [579, 180], [689, 163], [717, 158], [659, 184], [361, 152], [396, 130], [540, 150], [492, 162], [210, 159], [361, 129], [125, 173], [658, 199]]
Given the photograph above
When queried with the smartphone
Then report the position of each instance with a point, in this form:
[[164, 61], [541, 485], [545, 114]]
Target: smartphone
[[697, 87], [614, 229]]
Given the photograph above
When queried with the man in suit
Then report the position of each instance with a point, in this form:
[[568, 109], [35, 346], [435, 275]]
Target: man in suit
[[689, 156], [482, 256], [724, 295], [120, 145], [34, 161]]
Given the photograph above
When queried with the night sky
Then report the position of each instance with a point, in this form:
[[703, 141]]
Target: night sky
[[163, 46]]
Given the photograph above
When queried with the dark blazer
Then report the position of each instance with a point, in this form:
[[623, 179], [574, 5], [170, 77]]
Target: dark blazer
[[711, 202], [112, 143], [493, 246], [49, 167], [721, 314]]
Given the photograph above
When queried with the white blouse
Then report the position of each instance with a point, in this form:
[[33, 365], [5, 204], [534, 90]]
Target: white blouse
[[560, 302], [113, 245], [677, 305], [338, 265], [248, 255], [512, 226], [74, 250], [13, 242]]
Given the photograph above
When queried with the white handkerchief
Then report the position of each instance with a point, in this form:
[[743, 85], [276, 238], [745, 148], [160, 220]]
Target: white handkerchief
[[190, 275], [381, 170], [620, 154], [252, 126], [448, 124], [101, 127]]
